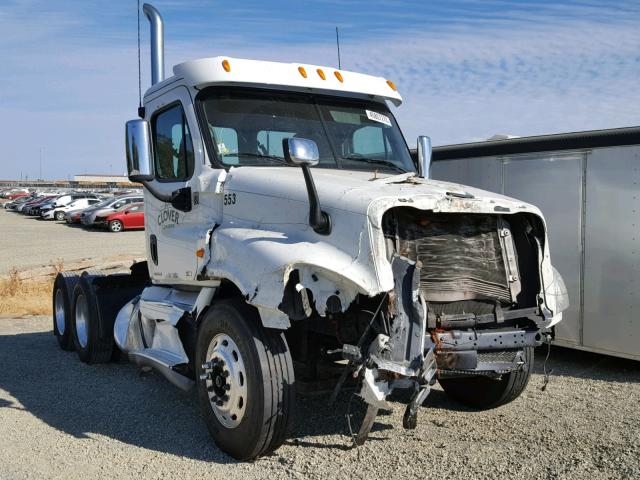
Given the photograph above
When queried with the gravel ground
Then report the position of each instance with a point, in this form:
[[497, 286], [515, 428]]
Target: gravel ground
[[60, 418], [29, 242]]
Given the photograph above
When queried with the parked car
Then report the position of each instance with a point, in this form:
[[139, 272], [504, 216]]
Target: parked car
[[58, 212], [88, 217], [64, 200], [14, 193], [31, 207], [13, 204], [128, 217], [75, 216]]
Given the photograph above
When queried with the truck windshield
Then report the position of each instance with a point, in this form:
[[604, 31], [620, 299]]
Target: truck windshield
[[246, 127]]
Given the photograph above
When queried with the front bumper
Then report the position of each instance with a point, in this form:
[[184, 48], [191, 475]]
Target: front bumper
[[488, 352]]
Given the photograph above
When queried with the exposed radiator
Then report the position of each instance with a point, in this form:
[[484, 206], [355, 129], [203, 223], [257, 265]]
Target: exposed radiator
[[462, 255]]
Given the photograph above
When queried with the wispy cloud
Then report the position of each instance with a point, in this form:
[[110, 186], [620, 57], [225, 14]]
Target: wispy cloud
[[466, 69]]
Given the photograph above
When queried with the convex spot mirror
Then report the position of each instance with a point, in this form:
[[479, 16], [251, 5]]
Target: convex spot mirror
[[424, 156], [138, 146], [300, 151]]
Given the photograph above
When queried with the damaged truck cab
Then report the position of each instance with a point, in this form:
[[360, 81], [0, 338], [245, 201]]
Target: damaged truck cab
[[288, 226]]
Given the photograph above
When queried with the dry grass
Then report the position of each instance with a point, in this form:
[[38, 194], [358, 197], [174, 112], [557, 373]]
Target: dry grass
[[26, 297]]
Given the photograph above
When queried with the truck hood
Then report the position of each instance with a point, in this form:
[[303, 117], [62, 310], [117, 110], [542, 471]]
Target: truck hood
[[367, 193]]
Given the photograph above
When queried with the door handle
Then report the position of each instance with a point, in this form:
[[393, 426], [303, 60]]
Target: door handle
[[153, 247]]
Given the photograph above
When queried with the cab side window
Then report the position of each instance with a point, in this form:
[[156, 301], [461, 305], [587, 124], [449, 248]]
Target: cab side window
[[174, 159]]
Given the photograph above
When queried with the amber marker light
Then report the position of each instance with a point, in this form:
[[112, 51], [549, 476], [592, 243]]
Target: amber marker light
[[302, 71], [321, 74], [392, 85], [338, 76], [226, 65], [200, 253]]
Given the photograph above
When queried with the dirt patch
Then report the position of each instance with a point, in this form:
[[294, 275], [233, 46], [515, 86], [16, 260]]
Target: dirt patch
[[25, 297], [28, 291]]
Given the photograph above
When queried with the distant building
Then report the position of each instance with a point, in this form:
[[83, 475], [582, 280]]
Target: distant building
[[101, 179]]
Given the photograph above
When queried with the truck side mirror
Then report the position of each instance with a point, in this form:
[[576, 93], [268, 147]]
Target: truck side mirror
[[139, 155], [424, 156], [304, 153], [301, 151]]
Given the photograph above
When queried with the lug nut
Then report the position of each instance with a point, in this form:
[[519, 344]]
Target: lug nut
[[225, 374], [225, 398], [219, 403], [227, 387]]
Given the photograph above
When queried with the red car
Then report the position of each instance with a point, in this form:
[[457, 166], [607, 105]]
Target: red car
[[132, 216], [13, 196]]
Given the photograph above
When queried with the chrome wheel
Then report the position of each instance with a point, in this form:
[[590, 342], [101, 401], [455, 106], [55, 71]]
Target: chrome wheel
[[115, 226], [59, 216], [225, 377], [82, 318], [59, 311]]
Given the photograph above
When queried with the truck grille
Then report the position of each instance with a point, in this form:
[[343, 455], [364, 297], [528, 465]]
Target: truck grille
[[461, 255]]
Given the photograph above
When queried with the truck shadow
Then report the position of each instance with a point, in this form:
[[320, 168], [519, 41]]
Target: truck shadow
[[117, 401], [120, 402]]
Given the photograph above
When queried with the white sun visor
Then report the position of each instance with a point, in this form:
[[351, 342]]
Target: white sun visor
[[295, 76]]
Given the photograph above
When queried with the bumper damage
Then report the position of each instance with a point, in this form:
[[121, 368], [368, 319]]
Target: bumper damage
[[415, 353]]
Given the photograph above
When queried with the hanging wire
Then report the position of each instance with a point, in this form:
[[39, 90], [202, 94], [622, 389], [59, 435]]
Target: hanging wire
[[139, 71], [545, 380]]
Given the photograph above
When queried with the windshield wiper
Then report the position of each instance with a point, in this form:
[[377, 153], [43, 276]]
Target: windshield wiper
[[375, 161], [273, 158]]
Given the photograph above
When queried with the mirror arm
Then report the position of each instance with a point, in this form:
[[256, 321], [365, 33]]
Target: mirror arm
[[318, 220]]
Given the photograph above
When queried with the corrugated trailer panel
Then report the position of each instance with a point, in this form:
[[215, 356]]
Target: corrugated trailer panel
[[553, 182], [612, 255], [484, 173]]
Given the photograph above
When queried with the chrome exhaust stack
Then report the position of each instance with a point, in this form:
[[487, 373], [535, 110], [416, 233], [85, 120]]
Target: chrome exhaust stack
[[157, 42]]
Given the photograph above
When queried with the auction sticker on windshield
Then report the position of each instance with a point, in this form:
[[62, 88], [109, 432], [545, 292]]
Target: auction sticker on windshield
[[378, 117]]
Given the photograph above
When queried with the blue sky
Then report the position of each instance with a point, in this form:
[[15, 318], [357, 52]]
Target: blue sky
[[467, 69]]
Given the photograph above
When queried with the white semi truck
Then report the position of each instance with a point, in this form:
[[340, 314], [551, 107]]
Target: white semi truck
[[257, 262]]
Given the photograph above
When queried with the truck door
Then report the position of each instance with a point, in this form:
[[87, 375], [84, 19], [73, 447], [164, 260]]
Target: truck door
[[174, 235]]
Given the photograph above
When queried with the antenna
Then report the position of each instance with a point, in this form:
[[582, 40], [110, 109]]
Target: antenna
[[338, 44], [139, 72]]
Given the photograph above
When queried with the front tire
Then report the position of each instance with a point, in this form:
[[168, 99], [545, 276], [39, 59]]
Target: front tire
[[483, 393], [115, 226], [247, 393], [59, 215]]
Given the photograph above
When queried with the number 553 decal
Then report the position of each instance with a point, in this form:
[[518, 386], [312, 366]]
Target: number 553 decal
[[229, 199]]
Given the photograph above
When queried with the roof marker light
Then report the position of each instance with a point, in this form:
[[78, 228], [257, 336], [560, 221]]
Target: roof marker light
[[338, 76], [392, 85], [321, 74], [226, 65], [302, 71]]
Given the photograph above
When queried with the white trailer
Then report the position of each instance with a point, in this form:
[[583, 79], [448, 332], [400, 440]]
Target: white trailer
[[255, 260]]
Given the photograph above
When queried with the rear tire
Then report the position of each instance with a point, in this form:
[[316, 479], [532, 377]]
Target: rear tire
[[93, 341], [115, 226], [63, 287], [261, 374], [482, 392]]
